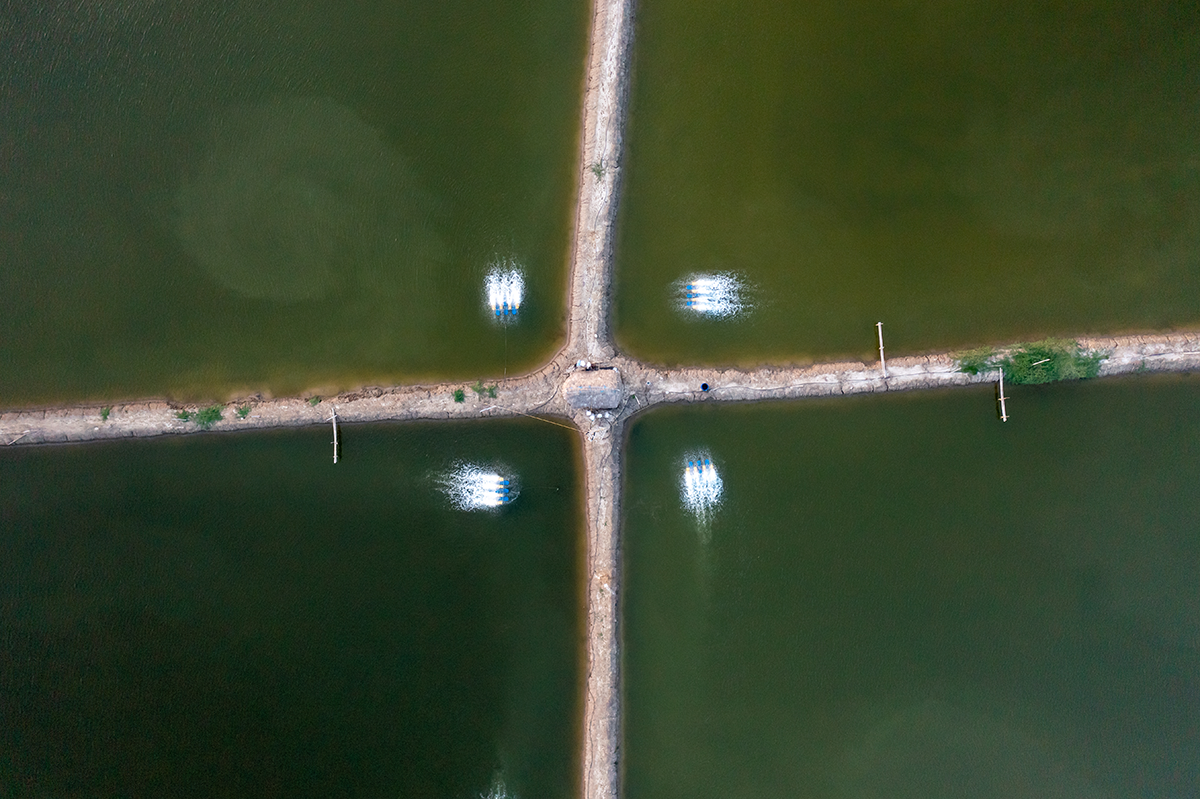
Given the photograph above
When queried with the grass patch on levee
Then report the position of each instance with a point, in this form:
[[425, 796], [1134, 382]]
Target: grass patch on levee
[[203, 418], [484, 391], [1045, 361], [975, 361]]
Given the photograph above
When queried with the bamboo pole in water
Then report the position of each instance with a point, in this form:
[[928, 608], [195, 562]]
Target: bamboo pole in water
[[882, 362], [333, 418], [1003, 409]]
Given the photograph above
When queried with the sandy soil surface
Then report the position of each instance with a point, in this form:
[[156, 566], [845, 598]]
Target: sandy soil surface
[[540, 393], [1175, 352], [589, 338]]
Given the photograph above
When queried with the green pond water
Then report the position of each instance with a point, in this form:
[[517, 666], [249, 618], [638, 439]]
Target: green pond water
[[235, 616], [199, 199], [901, 596], [964, 172]]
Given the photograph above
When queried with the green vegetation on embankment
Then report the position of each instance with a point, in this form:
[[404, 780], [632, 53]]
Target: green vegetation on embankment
[[205, 417], [1042, 361]]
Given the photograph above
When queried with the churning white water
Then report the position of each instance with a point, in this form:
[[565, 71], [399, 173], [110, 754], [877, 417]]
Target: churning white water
[[498, 790], [504, 288], [471, 487], [718, 295], [700, 486]]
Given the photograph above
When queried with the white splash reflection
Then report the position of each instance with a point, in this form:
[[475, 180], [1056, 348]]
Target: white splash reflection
[[700, 486], [504, 287], [498, 790], [719, 295], [471, 487]]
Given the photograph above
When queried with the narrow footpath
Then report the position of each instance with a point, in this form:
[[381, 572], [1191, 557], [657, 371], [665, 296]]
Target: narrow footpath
[[598, 401]]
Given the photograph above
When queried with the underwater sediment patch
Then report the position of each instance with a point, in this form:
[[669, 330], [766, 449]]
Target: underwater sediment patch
[[298, 196]]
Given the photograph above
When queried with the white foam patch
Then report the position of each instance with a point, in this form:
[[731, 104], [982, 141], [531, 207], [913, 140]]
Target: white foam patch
[[718, 295], [498, 790], [495, 291], [504, 289], [700, 486], [471, 487]]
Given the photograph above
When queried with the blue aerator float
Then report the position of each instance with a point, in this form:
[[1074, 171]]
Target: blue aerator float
[[471, 487], [505, 288]]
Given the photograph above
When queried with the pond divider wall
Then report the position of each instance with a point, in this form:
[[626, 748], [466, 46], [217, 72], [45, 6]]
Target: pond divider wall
[[600, 414]]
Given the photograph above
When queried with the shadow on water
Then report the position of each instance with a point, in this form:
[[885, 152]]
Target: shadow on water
[[235, 614]]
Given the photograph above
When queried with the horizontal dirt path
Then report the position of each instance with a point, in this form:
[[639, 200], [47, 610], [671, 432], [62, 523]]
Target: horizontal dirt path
[[540, 393], [1176, 352]]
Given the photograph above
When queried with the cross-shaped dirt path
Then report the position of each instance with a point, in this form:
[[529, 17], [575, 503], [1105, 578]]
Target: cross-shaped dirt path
[[559, 389]]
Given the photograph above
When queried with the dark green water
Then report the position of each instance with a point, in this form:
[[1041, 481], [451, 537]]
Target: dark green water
[[201, 198], [962, 171], [903, 597], [235, 616]]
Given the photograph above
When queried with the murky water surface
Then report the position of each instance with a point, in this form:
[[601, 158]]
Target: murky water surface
[[201, 198], [236, 616], [964, 172], [902, 596]]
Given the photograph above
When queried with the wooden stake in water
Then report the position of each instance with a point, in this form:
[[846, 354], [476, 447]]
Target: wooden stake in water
[[1003, 410], [882, 362], [333, 418]]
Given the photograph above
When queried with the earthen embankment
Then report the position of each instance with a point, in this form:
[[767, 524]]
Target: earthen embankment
[[540, 393]]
